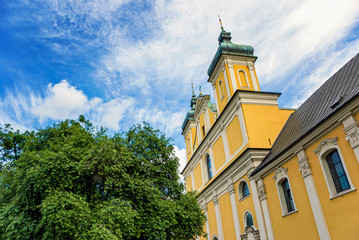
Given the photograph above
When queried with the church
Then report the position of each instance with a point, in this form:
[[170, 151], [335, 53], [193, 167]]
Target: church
[[264, 172]]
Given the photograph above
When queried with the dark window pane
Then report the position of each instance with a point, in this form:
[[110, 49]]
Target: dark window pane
[[245, 190], [336, 169], [249, 220], [287, 196], [209, 168]]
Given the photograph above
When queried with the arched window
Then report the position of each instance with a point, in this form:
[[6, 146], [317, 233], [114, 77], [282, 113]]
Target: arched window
[[215, 238], [337, 172], [209, 167], [287, 195], [249, 220], [333, 165], [243, 190]]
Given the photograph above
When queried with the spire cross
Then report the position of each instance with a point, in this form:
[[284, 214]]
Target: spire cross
[[220, 22]]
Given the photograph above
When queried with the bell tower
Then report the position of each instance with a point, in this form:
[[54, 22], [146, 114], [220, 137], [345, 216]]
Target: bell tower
[[232, 69]]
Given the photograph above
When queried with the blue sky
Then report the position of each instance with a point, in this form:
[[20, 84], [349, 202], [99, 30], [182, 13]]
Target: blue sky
[[122, 62]]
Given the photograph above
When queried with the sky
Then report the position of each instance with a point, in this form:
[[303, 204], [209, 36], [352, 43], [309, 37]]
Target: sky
[[122, 62]]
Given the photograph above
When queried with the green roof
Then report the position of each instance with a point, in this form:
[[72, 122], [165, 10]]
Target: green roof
[[227, 47]]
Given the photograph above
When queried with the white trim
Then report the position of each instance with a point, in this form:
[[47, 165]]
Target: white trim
[[215, 236], [192, 180], [324, 148], [246, 79], [258, 210], [351, 128], [232, 195], [218, 217], [313, 196], [215, 97], [233, 77], [253, 77], [267, 219], [227, 83]]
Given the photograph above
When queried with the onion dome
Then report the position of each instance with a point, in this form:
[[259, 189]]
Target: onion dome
[[227, 47]]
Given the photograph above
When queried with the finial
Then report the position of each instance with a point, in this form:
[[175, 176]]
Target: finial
[[200, 92], [192, 90], [220, 22]]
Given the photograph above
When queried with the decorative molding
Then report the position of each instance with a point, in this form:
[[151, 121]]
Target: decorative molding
[[204, 207], [353, 137], [325, 143], [280, 173], [215, 200], [262, 192], [231, 189], [304, 167]]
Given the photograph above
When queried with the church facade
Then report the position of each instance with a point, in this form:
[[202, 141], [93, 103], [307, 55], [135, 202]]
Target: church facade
[[263, 172]]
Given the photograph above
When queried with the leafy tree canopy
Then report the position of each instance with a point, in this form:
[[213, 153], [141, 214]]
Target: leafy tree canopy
[[72, 182]]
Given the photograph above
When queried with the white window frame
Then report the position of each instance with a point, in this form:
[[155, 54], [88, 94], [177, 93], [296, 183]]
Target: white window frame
[[239, 79], [215, 236], [240, 186], [280, 175], [324, 148]]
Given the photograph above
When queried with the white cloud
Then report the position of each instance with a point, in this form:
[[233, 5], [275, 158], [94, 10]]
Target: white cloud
[[181, 154]]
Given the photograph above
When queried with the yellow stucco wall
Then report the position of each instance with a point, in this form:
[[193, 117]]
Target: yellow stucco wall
[[229, 80], [262, 131], [194, 138], [221, 101], [189, 183], [212, 219], [240, 78], [212, 117], [218, 152], [197, 174], [227, 217], [245, 204], [302, 222], [338, 211], [234, 135]]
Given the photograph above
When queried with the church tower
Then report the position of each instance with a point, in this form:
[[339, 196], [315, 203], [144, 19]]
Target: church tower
[[226, 139]]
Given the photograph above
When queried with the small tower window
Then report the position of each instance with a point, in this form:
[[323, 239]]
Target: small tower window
[[203, 131], [209, 167], [249, 220]]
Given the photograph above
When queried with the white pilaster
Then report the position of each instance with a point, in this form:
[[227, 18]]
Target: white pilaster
[[205, 209], [232, 195], [253, 78], [263, 198], [233, 76], [225, 143], [317, 210], [258, 209], [227, 83], [218, 218], [351, 128], [215, 97]]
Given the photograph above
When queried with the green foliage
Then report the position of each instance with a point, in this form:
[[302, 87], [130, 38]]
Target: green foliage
[[72, 182]]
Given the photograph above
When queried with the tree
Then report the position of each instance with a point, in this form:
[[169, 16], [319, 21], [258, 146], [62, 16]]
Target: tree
[[71, 182]]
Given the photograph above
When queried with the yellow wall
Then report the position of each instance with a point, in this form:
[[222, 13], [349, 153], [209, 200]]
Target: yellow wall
[[240, 78], [212, 219], [263, 122], [189, 183], [221, 101], [234, 135], [338, 211], [197, 174], [194, 138], [244, 205], [218, 152], [229, 80], [227, 217], [302, 222], [212, 117]]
